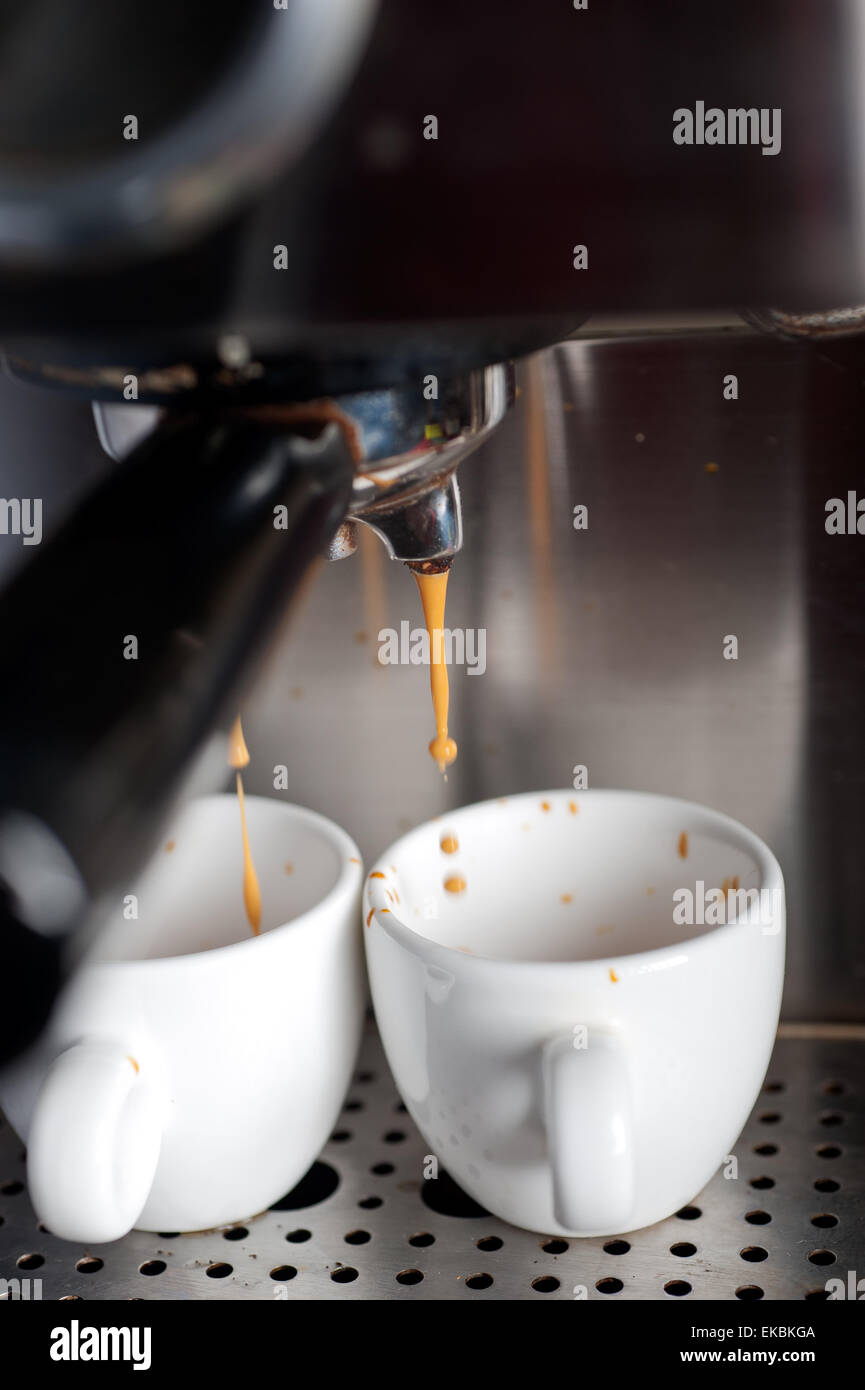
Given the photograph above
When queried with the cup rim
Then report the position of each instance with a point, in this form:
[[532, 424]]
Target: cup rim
[[347, 880], [385, 916]]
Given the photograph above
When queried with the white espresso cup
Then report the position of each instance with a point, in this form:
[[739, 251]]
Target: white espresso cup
[[576, 1037], [192, 1071]]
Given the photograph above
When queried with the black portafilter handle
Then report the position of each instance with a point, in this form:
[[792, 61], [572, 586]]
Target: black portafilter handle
[[122, 642]]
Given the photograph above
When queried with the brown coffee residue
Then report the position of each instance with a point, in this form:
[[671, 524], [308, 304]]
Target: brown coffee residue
[[238, 757], [318, 413], [683, 845], [546, 586], [449, 844], [169, 846], [455, 884]]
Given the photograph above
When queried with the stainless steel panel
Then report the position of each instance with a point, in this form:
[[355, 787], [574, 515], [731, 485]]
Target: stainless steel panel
[[604, 647]]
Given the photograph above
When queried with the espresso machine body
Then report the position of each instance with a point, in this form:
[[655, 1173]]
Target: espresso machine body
[[312, 267]]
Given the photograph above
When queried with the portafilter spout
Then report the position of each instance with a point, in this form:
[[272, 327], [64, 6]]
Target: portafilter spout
[[406, 489], [405, 441]]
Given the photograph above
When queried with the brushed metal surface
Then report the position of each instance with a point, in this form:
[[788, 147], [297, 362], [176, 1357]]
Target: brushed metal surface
[[604, 646], [375, 1231]]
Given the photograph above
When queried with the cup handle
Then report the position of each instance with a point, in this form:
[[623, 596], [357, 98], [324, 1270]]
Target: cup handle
[[93, 1144], [589, 1133]]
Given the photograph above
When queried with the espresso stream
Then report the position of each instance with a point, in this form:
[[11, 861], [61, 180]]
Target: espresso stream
[[433, 592], [238, 757], [443, 749]]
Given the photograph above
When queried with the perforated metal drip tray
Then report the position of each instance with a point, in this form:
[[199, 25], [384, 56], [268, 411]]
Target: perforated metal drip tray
[[364, 1224]]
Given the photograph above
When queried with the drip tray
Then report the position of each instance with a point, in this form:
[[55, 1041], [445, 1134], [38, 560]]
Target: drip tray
[[364, 1224]]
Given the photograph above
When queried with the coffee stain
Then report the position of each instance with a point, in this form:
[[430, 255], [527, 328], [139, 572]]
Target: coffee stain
[[537, 463], [318, 413]]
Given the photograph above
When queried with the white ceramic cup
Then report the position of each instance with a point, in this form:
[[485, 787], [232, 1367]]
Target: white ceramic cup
[[192, 1072], [576, 1058]]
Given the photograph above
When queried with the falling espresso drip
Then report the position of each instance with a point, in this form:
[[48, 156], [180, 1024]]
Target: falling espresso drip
[[433, 592], [238, 757]]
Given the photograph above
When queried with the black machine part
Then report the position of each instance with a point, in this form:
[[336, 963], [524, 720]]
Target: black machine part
[[125, 638]]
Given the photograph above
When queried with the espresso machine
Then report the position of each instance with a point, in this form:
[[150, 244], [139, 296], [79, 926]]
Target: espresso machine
[[349, 246]]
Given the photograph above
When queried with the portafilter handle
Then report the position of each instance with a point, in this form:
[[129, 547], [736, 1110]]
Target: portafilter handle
[[124, 640]]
